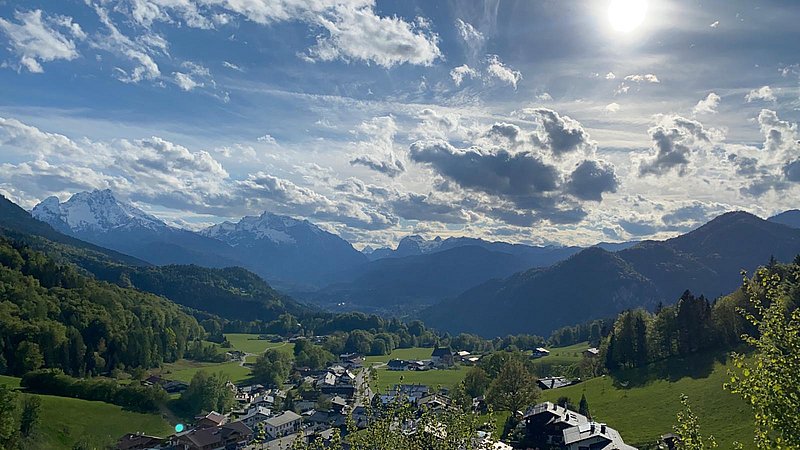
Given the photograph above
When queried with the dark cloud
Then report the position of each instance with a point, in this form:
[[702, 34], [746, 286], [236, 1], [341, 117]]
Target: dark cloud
[[495, 171], [560, 134], [638, 228], [391, 167], [675, 138], [591, 179]]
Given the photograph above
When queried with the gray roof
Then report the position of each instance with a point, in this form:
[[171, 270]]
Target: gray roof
[[596, 430], [283, 419]]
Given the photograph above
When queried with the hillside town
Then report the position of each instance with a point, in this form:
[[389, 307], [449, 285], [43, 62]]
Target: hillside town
[[341, 401]]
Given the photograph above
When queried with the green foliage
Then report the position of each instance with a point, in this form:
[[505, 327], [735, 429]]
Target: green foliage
[[132, 396], [272, 368], [770, 381], [29, 418], [207, 392], [513, 389], [51, 316], [688, 430], [308, 354], [476, 381], [9, 425], [583, 407]]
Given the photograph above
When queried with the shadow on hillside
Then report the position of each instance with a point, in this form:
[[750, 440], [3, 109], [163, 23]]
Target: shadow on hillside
[[670, 369]]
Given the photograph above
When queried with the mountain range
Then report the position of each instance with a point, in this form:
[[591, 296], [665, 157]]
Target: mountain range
[[232, 293], [280, 249], [596, 283]]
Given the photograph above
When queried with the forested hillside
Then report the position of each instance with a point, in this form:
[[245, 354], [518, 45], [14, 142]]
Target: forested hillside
[[52, 316], [232, 293], [595, 284]]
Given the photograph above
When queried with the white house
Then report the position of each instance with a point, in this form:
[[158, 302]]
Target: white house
[[594, 435], [282, 425], [256, 415]]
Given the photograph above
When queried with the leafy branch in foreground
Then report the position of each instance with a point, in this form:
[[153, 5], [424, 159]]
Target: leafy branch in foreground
[[688, 430], [769, 381]]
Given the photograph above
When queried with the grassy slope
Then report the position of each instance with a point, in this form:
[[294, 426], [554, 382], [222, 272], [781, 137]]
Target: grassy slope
[[184, 370], [402, 353], [65, 421], [250, 343], [644, 412], [432, 378]]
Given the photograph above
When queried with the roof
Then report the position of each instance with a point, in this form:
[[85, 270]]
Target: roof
[[593, 350], [256, 411], [553, 382], [592, 430], [441, 351], [558, 414], [542, 350], [283, 419], [213, 416], [132, 440]]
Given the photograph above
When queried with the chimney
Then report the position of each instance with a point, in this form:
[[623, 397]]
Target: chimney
[[603, 428], [592, 428]]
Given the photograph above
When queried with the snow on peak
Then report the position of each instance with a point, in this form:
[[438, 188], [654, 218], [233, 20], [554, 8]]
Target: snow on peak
[[278, 229], [97, 211]]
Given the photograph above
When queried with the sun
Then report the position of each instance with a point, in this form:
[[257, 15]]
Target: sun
[[626, 15]]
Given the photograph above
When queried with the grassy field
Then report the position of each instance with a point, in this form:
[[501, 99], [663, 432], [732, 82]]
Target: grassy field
[[11, 382], [446, 378], [184, 370], [65, 421], [643, 412], [402, 353], [250, 343], [559, 356]]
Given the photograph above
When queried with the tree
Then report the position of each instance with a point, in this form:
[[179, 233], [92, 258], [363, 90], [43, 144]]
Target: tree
[[513, 389], [30, 414], [9, 427], [29, 357], [583, 407], [272, 367], [688, 430], [475, 382], [207, 392], [769, 381]]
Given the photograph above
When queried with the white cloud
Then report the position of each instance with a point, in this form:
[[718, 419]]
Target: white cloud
[[267, 139], [138, 52], [643, 78], [232, 66], [714, 24], [610, 76], [376, 148], [707, 105], [459, 73], [764, 93], [496, 69], [612, 107], [473, 39], [41, 38], [186, 82]]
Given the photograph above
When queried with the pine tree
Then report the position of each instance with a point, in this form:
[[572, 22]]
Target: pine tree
[[583, 407]]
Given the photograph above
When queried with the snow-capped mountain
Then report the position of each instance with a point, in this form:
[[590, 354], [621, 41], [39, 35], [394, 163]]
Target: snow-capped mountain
[[100, 218], [96, 211], [278, 229], [286, 249], [417, 245]]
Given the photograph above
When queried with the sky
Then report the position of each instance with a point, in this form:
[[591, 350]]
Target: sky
[[541, 122]]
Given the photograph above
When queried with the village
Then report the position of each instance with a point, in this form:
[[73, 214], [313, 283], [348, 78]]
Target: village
[[339, 400]]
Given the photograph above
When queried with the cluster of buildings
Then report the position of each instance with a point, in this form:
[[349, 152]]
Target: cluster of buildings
[[550, 426], [441, 358]]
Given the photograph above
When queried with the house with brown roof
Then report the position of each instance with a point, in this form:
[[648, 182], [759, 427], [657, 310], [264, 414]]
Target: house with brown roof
[[138, 441], [231, 435]]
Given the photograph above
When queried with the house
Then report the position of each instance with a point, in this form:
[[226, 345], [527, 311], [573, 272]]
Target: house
[[553, 382], [540, 352], [255, 416], [442, 356], [594, 435], [592, 352], [397, 364], [235, 355], [153, 380], [461, 355], [231, 435], [546, 422], [286, 423], [212, 419], [138, 441], [175, 386], [338, 404]]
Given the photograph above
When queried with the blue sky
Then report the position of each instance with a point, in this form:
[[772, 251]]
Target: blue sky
[[529, 121]]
